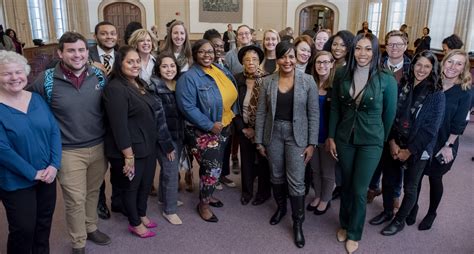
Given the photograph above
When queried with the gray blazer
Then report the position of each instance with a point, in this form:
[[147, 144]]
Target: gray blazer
[[305, 110]]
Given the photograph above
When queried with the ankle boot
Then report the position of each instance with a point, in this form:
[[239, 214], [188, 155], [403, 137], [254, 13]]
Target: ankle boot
[[279, 193], [297, 208]]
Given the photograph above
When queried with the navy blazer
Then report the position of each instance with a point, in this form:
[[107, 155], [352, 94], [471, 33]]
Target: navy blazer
[[305, 109]]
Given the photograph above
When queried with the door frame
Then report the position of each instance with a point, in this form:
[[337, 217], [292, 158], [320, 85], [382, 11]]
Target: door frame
[[321, 3], [137, 3]]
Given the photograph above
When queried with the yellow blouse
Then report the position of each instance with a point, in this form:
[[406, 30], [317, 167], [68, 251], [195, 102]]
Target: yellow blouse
[[227, 90]]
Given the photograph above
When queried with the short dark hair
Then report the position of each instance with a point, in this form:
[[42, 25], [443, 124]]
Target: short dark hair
[[211, 34], [131, 27], [427, 29], [160, 58], [70, 37], [453, 42], [197, 45], [103, 23], [283, 47]]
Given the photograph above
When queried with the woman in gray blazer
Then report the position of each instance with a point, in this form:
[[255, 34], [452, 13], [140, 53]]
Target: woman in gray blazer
[[286, 133]]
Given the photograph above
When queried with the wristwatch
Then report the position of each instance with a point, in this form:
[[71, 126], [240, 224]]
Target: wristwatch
[[447, 144]]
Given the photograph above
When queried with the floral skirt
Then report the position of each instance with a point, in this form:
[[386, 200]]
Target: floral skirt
[[208, 149]]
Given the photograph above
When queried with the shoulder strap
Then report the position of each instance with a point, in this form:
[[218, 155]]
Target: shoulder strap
[[48, 84]]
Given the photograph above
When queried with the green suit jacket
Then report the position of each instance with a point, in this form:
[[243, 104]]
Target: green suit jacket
[[371, 121]]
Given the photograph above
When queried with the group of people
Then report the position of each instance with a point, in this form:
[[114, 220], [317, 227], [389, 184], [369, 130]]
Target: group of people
[[330, 108]]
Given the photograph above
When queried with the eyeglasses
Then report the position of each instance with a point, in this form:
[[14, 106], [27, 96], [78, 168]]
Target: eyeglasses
[[325, 63], [243, 34], [396, 45], [203, 52]]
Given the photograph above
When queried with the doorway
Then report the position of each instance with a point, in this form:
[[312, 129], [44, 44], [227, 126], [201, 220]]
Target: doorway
[[315, 17], [120, 14]]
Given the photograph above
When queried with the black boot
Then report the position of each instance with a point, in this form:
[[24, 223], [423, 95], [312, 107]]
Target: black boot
[[411, 219], [279, 193], [297, 208]]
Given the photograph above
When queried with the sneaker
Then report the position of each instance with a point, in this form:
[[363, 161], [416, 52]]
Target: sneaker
[[98, 237], [219, 186], [227, 182]]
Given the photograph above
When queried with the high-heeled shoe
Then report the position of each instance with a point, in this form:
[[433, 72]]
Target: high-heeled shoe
[[150, 224], [217, 204], [351, 246], [147, 234], [212, 219], [341, 235], [318, 212]]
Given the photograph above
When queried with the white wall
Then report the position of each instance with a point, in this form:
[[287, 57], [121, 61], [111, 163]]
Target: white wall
[[93, 6], [342, 5], [200, 27]]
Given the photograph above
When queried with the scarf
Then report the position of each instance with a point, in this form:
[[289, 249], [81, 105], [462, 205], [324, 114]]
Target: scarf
[[410, 101], [252, 108]]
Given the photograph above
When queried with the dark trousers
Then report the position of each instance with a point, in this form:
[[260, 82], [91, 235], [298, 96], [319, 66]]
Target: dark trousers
[[226, 161], [411, 180], [29, 214], [392, 179], [135, 192], [396, 182], [358, 163], [253, 165], [116, 199]]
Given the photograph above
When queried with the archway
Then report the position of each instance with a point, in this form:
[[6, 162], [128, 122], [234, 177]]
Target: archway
[[316, 15]]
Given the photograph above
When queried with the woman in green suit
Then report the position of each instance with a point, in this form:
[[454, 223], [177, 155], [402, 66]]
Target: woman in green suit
[[362, 111]]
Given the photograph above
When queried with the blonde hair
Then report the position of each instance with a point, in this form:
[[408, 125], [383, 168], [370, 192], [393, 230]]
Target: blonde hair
[[328, 83], [465, 76], [9, 57], [140, 35], [265, 49]]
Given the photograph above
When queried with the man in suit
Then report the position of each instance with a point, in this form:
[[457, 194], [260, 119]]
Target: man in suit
[[103, 56]]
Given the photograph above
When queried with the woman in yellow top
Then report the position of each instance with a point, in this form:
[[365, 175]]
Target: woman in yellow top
[[206, 95]]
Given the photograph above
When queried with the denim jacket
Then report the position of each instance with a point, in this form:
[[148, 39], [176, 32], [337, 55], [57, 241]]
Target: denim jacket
[[199, 98]]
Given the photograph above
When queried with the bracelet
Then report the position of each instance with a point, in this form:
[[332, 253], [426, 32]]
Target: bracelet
[[129, 157]]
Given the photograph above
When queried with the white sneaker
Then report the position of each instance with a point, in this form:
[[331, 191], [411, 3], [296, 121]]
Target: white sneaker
[[173, 218]]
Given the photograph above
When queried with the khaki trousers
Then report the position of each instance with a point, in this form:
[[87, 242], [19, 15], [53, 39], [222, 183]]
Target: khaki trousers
[[80, 177]]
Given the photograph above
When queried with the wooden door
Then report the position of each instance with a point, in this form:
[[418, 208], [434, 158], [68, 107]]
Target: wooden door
[[120, 14]]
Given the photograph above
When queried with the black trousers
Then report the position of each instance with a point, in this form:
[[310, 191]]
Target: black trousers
[[253, 165], [29, 214], [134, 193]]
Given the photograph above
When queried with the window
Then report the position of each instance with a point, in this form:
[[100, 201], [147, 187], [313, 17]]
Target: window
[[60, 17], [442, 21], [375, 12], [39, 28], [396, 14]]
